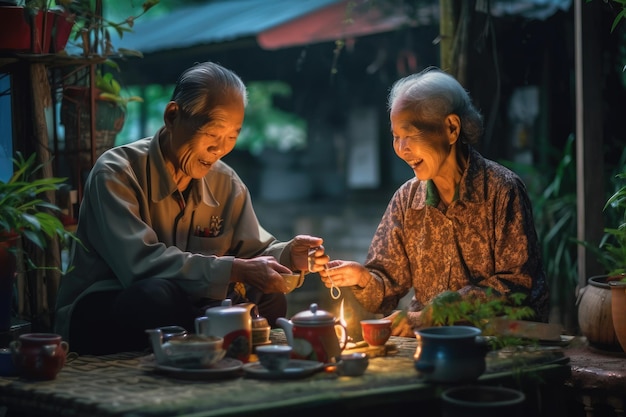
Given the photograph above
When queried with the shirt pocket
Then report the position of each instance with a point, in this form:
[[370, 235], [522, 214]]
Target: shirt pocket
[[211, 245]]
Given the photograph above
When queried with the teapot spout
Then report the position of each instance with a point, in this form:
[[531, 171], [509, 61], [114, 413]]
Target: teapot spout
[[287, 327]]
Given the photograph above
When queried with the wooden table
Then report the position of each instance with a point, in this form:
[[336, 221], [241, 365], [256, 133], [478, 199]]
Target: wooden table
[[119, 386]]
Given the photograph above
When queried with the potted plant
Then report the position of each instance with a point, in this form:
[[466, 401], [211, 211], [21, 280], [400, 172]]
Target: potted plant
[[604, 300], [34, 26], [450, 308], [111, 104], [92, 39], [26, 218]]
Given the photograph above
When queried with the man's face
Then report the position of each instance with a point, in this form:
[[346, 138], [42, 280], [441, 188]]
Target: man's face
[[197, 149]]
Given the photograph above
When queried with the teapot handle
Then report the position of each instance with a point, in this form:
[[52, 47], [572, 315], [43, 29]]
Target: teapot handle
[[201, 325]]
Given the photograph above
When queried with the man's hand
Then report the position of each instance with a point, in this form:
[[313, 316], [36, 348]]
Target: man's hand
[[262, 272], [307, 253]]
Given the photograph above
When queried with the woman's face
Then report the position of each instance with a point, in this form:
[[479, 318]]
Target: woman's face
[[426, 152], [194, 151]]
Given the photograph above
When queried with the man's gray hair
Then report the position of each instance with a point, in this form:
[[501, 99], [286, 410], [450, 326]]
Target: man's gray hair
[[201, 87]]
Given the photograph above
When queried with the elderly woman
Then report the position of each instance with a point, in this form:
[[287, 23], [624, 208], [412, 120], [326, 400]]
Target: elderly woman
[[464, 223], [168, 229]]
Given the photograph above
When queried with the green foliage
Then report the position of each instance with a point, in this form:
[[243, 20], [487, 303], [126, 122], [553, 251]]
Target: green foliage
[[621, 14], [552, 192], [266, 126], [24, 211], [111, 90], [450, 308], [92, 31], [613, 245]]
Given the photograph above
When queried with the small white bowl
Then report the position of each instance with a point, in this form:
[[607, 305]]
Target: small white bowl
[[191, 351], [353, 364], [274, 358]]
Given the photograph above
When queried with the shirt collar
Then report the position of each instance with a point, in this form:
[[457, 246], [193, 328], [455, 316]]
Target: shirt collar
[[466, 190]]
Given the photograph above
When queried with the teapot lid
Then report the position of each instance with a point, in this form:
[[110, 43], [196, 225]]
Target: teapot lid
[[226, 308], [313, 316]]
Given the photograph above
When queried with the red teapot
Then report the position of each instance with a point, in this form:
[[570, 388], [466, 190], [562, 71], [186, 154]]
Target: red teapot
[[314, 335]]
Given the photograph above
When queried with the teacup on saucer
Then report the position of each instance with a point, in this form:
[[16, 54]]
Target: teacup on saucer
[[187, 351], [274, 358]]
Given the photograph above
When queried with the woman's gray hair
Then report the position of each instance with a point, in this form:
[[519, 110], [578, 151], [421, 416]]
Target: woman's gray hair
[[431, 95], [203, 86]]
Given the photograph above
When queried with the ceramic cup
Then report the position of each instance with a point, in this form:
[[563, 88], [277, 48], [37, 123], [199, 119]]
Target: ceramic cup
[[352, 364], [293, 281], [7, 366], [376, 332], [450, 354], [274, 357], [39, 355]]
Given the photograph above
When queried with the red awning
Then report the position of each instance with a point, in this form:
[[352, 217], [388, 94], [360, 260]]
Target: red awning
[[337, 21]]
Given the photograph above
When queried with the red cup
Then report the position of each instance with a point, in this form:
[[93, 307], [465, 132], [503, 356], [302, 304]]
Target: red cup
[[376, 332]]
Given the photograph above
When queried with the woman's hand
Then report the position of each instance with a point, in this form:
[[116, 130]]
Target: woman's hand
[[400, 325], [344, 274]]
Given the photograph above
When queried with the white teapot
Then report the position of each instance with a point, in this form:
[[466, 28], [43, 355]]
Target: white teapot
[[233, 324]]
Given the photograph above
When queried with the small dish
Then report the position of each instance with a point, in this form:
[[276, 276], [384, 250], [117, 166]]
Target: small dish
[[296, 368], [353, 364], [225, 368]]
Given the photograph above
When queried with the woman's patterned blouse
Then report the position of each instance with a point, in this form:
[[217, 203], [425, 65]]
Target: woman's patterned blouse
[[485, 238]]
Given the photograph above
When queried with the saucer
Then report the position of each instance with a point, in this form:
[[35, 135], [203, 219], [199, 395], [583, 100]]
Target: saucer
[[225, 368], [296, 368]]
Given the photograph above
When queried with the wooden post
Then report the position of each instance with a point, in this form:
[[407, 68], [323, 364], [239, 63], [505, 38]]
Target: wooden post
[[590, 189], [46, 282], [447, 25]]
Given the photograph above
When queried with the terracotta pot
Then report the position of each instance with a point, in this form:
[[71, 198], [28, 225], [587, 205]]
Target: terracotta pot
[[40, 34], [618, 310], [18, 35], [62, 24], [595, 316]]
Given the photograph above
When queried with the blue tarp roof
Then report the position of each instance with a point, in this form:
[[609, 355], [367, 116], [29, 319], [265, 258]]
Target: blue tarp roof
[[228, 20], [216, 21]]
